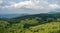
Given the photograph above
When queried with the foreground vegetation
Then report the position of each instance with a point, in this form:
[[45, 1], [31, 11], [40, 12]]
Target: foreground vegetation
[[31, 24]]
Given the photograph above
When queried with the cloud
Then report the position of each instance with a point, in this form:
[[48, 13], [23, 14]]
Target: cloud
[[1, 1], [30, 6], [56, 1], [54, 6]]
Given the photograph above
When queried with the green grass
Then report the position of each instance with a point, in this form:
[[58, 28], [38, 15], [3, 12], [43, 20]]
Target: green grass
[[53, 27]]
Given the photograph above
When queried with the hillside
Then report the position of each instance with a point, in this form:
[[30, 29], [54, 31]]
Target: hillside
[[43, 17], [37, 23], [53, 27]]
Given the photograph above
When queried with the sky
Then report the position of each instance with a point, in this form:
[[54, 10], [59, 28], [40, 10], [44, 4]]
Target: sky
[[28, 6]]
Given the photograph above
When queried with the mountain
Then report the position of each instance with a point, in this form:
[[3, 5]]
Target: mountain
[[19, 15], [54, 12], [11, 15]]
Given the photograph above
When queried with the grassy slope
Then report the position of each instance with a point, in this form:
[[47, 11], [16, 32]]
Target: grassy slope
[[53, 27]]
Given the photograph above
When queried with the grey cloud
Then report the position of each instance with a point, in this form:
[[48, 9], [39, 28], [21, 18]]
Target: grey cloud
[[29, 6]]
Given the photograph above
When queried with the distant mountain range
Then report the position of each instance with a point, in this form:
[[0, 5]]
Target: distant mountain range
[[18, 15], [11, 15], [54, 12]]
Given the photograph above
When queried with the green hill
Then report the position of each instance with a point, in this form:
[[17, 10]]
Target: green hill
[[53, 27], [39, 23]]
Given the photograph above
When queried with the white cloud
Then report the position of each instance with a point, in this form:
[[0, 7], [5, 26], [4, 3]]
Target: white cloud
[[33, 6], [30, 4], [54, 6]]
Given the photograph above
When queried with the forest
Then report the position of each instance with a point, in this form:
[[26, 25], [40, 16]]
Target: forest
[[36, 23]]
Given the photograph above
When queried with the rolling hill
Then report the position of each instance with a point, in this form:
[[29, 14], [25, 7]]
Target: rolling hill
[[37, 23]]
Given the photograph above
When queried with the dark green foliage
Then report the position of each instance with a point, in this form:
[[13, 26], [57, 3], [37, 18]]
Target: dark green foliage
[[26, 25]]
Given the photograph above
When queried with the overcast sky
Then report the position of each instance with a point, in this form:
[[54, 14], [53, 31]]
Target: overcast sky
[[28, 6]]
